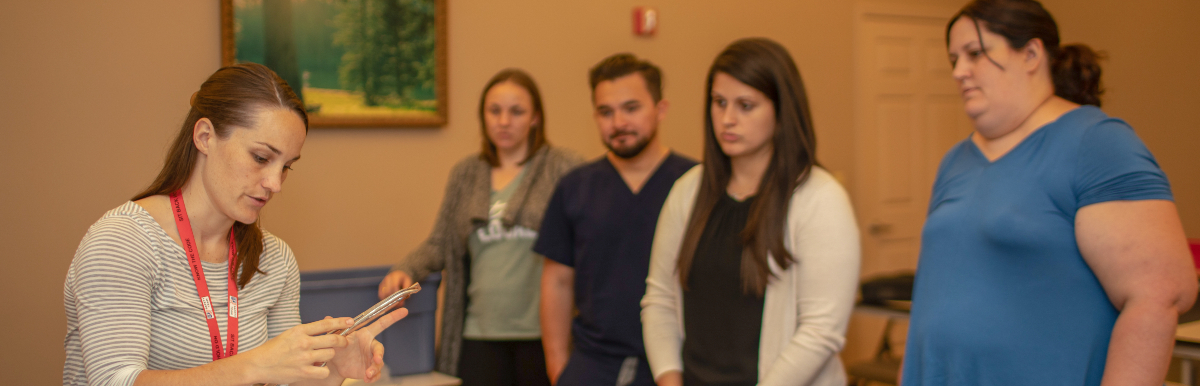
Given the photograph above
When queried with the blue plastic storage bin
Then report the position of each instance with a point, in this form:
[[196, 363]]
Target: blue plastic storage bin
[[408, 344]]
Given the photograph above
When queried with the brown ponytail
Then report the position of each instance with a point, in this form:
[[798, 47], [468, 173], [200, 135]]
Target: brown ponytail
[[1074, 68], [230, 98], [1076, 73]]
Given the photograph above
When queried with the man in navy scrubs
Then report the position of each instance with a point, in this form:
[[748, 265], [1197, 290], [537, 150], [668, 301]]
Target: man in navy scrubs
[[597, 232]]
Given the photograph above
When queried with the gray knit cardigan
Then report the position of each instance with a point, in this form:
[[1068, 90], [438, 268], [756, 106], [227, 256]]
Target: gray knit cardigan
[[466, 203]]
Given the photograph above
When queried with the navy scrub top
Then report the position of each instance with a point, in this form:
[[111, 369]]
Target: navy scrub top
[[599, 227]]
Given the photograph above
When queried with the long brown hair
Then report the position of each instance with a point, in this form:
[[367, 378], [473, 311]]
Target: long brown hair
[[230, 98], [1074, 68], [537, 132], [767, 67]]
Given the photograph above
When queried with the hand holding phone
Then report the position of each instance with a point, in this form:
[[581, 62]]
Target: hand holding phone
[[365, 319]]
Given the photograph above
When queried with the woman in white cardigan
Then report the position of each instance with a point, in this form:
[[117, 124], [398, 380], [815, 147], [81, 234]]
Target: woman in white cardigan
[[759, 242]]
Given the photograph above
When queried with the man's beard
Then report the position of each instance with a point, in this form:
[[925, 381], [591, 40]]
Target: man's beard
[[632, 150]]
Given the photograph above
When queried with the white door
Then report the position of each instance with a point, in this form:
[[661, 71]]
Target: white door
[[908, 113]]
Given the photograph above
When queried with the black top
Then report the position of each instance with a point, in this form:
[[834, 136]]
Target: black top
[[721, 322], [599, 227]]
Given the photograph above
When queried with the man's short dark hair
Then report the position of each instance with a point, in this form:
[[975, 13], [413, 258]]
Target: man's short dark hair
[[622, 64]]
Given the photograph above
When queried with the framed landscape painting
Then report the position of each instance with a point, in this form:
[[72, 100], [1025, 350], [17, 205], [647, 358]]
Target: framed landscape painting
[[355, 63]]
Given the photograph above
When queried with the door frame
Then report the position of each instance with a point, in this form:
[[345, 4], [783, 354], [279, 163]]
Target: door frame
[[862, 11], [864, 333]]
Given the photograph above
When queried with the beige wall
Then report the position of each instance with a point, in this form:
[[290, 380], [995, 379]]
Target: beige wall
[[1152, 80], [91, 91]]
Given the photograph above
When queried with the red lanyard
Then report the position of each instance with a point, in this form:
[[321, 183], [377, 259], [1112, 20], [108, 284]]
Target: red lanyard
[[184, 225]]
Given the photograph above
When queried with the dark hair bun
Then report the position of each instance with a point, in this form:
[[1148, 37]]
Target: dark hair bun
[[1076, 72]]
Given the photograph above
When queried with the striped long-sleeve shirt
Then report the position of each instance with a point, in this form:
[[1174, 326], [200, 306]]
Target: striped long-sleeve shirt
[[132, 305]]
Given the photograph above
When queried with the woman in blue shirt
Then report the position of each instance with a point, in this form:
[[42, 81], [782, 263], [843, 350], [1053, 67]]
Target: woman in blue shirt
[[1052, 253]]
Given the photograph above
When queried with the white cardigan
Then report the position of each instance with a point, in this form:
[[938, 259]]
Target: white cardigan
[[807, 306]]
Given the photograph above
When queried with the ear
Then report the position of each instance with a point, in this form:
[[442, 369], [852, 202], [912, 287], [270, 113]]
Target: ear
[[662, 106], [537, 120], [203, 135], [1034, 55]]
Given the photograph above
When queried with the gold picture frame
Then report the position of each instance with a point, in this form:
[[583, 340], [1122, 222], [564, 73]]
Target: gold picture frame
[[359, 63]]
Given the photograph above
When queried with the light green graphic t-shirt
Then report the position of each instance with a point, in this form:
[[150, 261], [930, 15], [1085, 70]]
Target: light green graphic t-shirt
[[505, 277]]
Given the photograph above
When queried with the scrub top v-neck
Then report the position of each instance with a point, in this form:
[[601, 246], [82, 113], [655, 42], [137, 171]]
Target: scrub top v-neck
[[598, 226]]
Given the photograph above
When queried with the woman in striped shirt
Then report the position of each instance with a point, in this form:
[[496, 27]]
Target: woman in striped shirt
[[180, 286]]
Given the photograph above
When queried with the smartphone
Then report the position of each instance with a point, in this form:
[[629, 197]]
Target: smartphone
[[384, 306]]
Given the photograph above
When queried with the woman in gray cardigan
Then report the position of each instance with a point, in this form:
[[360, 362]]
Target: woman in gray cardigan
[[483, 240]]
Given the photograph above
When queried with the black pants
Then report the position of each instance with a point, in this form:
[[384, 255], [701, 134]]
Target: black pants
[[503, 363], [589, 369]]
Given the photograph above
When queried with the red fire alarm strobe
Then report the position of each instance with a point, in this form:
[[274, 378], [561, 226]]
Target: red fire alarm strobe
[[645, 21]]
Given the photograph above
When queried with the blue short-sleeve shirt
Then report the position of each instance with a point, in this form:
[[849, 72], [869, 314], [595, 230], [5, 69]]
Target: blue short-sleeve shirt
[[599, 227], [1002, 293]]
